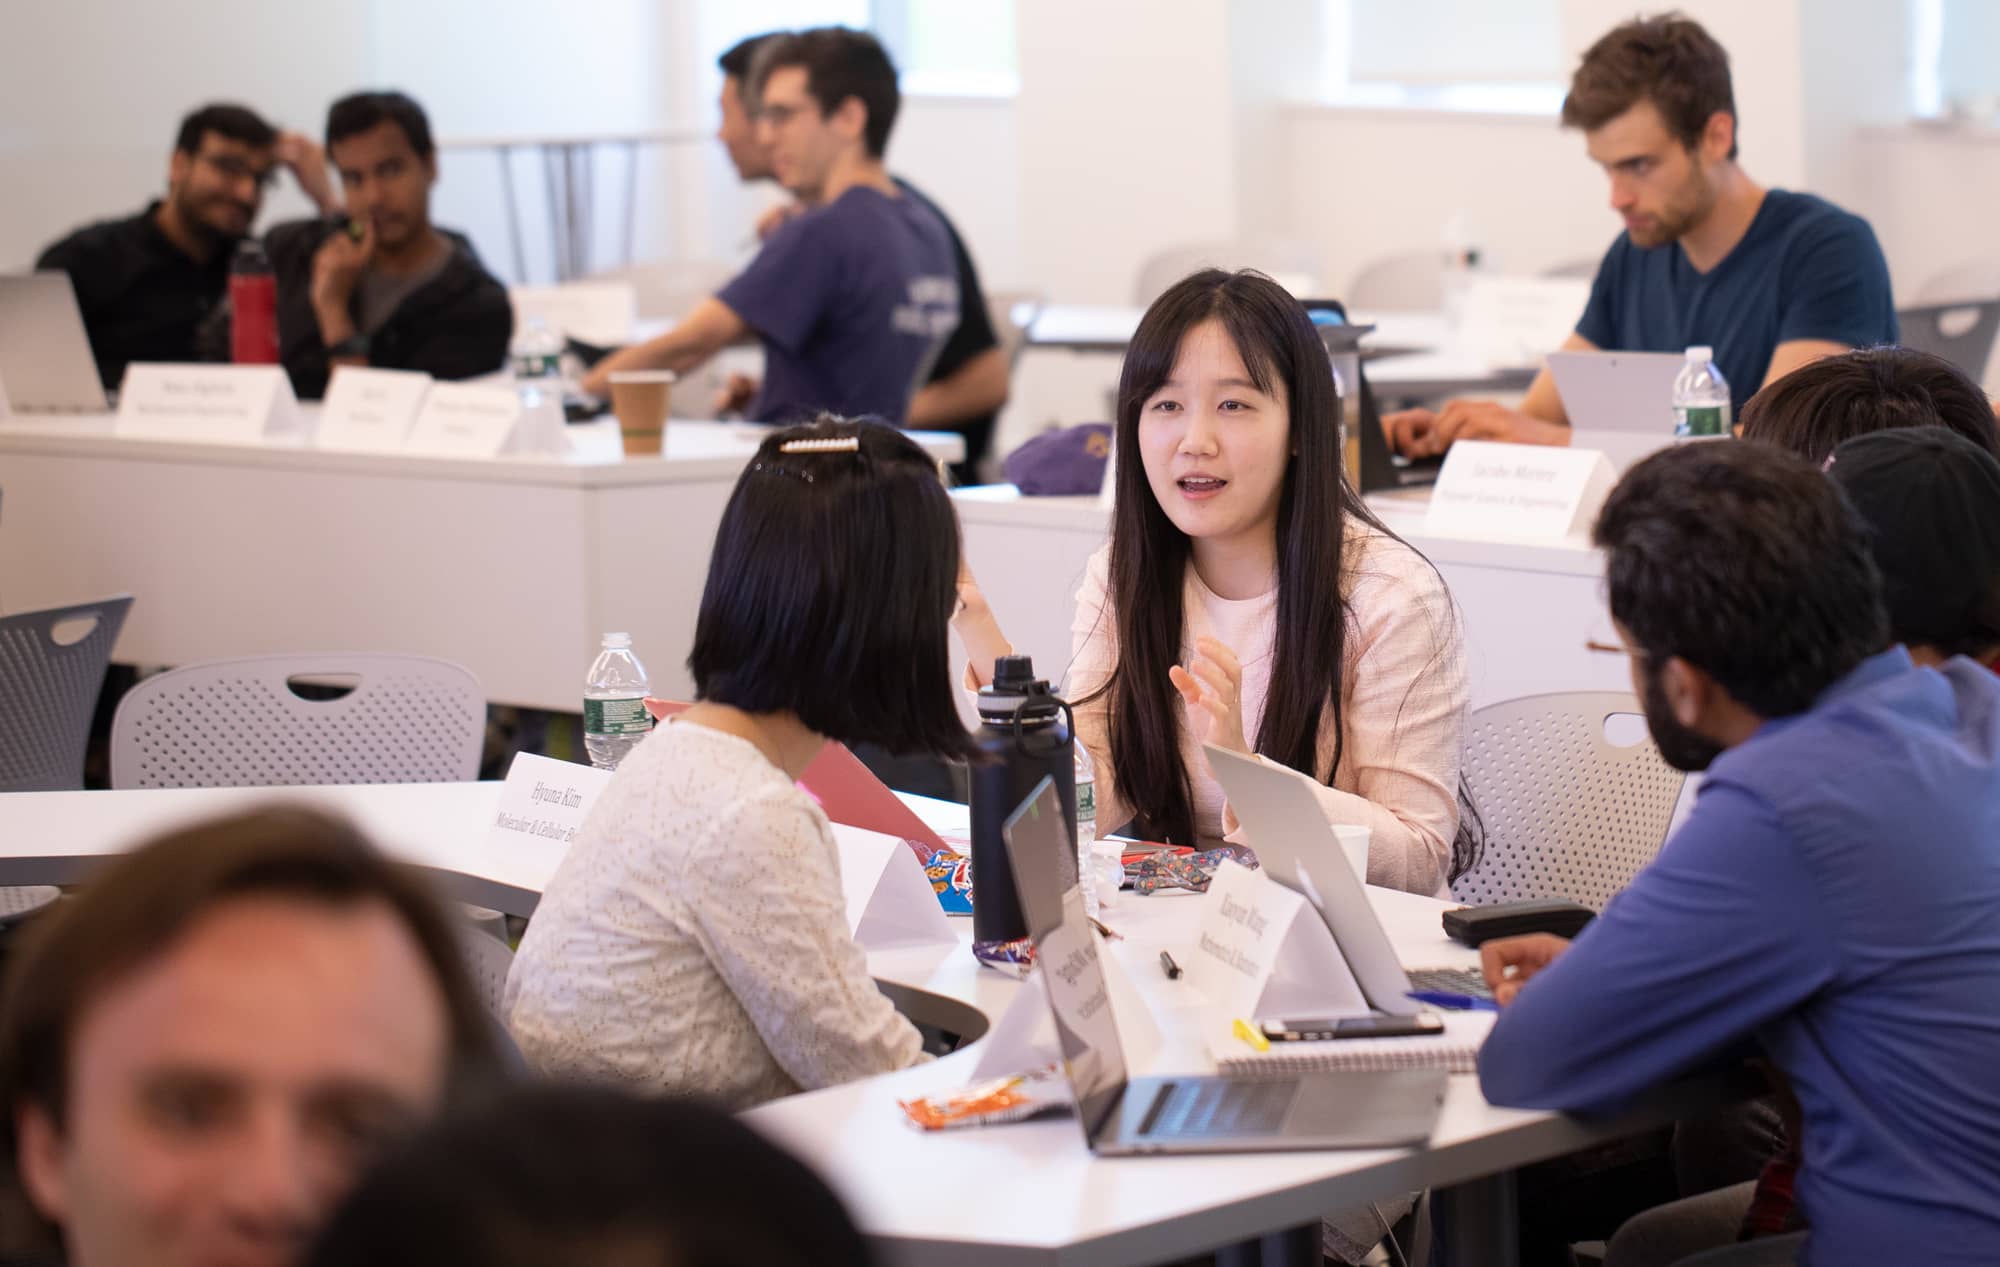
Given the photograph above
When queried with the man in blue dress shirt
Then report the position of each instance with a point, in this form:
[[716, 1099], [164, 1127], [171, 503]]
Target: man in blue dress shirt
[[1769, 278], [1833, 901]]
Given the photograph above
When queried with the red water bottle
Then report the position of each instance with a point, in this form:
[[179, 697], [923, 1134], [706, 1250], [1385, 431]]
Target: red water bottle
[[253, 306]]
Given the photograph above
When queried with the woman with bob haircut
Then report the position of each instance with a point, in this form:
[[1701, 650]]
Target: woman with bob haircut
[[694, 939], [1249, 599]]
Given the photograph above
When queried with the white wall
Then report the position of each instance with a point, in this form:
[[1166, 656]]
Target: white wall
[[92, 91]]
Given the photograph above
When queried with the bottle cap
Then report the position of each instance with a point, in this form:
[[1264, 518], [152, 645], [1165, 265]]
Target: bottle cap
[[617, 640], [1701, 352]]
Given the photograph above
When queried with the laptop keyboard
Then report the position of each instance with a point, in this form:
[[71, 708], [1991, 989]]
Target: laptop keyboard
[[1216, 1106], [1468, 981]]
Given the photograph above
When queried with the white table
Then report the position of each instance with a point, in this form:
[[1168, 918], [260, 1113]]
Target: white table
[[1527, 609], [513, 567], [1410, 354], [1024, 1193]]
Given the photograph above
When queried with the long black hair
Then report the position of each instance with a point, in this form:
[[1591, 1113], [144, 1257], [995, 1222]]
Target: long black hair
[[1149, 555]]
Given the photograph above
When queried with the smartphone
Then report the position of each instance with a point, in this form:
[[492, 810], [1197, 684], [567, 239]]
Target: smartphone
[[1325, 1028]]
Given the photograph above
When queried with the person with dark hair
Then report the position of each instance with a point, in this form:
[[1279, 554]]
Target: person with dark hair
[[1832, 903], [590, 1177], [201, 1050], [1249, 599], [1931, 500], [380, 285], [969, 380], [1769, 278], [145, 284], [694, 938], [738, 106], [853, 297], [1816, 407]]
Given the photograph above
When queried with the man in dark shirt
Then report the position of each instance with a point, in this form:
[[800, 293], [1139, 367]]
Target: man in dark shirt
[[147, 282], [1769, 278], [382, 286], [852, 297], [968, 383]]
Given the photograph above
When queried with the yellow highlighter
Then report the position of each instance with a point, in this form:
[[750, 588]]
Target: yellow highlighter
[[1250, 1034]]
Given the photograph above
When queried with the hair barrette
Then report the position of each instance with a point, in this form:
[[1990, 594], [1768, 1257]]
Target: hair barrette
[[835, 444]]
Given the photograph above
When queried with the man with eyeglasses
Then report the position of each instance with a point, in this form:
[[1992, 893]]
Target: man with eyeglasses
[[146, 283]]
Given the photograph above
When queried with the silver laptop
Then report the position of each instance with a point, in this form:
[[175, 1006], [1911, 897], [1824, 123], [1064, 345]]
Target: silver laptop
[[45, 361], [1285, 826], [1122, 1115], [1629, 392]]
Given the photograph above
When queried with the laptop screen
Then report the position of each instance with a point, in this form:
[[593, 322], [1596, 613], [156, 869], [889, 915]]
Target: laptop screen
[[1066, 953]]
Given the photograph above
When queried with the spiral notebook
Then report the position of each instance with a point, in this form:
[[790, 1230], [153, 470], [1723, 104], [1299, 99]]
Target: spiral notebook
[[1454, 1051]]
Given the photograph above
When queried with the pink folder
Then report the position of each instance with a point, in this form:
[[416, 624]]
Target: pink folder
[[847, 790]]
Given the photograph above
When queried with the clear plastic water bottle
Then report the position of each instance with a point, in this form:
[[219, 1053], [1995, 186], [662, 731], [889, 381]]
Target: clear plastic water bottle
[[614, 703], [1086, 827], [1701, 398], [535, 356]]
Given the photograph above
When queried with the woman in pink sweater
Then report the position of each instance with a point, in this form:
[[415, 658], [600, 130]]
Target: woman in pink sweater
[[1249, 599]]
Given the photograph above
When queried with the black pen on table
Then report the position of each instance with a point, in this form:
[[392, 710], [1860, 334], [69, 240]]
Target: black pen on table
[[1168, 966]]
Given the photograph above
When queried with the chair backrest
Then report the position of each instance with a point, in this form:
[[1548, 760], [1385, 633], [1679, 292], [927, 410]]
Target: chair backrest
[[48, 691], [1408, 281], [1583, 266], [1293, 264], [1961, 333], [487, 959], [1568, 813], [245, 723]]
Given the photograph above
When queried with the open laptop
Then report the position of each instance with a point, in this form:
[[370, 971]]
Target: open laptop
[[1286, 828], [45, 360], [1628, 392], [1122, 1115]]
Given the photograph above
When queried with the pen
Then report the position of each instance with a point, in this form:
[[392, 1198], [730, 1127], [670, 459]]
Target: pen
[[1456, 1002], [1248, 1033], [1167, 965]]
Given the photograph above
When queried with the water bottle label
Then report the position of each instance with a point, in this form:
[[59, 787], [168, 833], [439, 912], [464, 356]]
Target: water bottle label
[[1703, 420], [1086, 800], [616, 716]]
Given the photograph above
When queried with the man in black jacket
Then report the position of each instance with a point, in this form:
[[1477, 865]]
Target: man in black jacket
[[381, 286]]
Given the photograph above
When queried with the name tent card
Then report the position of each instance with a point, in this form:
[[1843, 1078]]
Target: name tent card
[[545, 800], [1527, 492], [369, 410], [481, 420], [228, 404], [1261, 951], [890, 902], [1024, 1038]]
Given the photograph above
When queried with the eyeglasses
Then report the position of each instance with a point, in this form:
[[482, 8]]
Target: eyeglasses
[[236, 169], [778, 116]]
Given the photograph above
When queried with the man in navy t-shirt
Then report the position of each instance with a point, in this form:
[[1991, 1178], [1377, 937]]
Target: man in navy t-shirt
[[852, 298], [1770, 279]]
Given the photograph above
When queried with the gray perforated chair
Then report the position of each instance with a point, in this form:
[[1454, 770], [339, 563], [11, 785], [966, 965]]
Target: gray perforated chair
[[52, 666], [1569, 813], [255, 722], [1961, 333], [49, 680]]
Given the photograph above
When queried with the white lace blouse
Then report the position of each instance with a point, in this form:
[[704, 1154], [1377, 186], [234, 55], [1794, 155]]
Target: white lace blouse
[[695, 939]]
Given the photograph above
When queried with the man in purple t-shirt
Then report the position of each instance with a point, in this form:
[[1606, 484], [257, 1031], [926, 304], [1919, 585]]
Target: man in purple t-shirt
[[851, 299]]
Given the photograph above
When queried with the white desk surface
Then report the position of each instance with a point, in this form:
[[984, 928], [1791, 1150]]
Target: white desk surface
[[1023, 1193], [1409, 352], [694, 450]]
